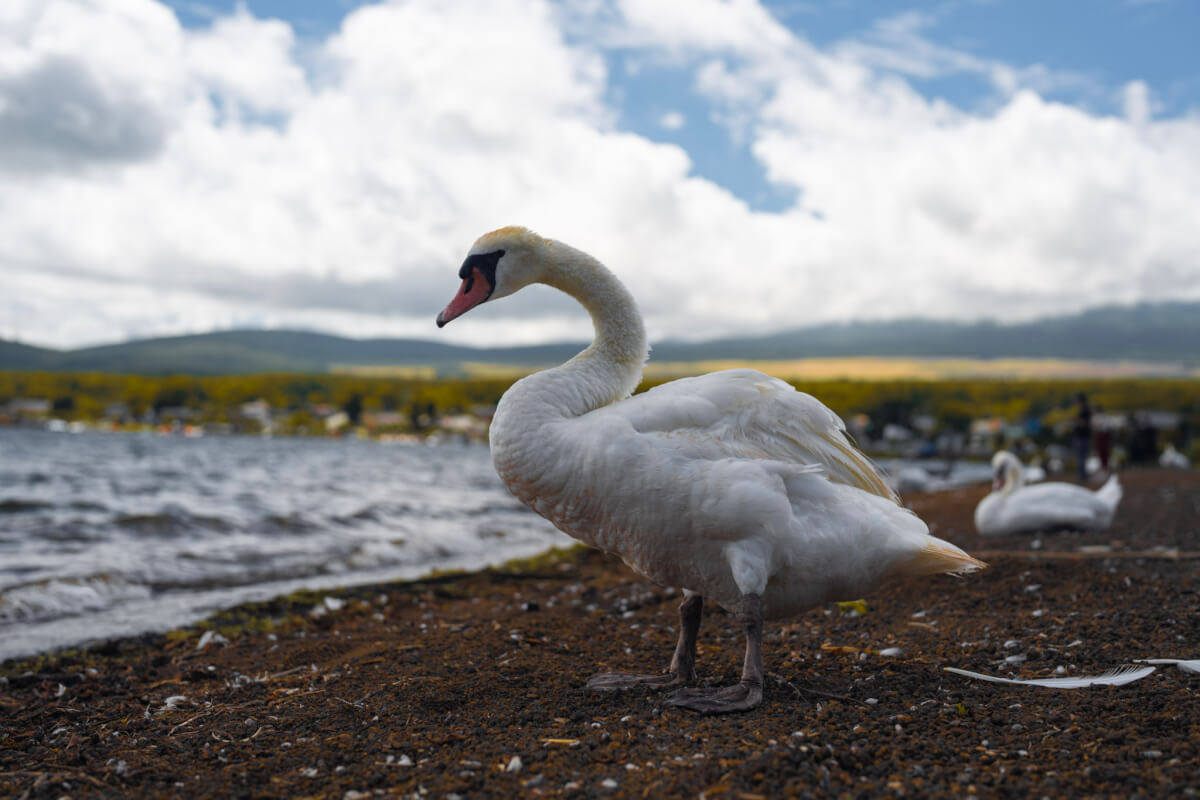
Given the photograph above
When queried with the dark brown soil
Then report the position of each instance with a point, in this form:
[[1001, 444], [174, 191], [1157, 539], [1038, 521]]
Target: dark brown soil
[[473, 685]]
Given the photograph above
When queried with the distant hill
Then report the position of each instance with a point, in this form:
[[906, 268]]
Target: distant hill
[[1147, 332], [17, 356]]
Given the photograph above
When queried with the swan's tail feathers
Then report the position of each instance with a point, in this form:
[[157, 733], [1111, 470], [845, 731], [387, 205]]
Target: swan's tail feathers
[[1110, 492], [938, 556]]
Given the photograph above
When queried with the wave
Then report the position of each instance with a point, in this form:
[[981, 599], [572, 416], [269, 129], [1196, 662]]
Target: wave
[[13, 506], [61, 597]]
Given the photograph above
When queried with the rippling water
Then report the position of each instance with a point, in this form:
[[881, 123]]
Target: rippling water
[[113, 534]]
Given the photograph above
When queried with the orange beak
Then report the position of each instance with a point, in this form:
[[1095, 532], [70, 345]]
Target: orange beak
[[475, 289]]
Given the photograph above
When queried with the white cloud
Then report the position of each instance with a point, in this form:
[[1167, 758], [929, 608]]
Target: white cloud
[[672, 120], [219, 180]]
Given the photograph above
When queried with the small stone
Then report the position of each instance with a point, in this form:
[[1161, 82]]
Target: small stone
[[210, 637], [514, 764], [609, 783]]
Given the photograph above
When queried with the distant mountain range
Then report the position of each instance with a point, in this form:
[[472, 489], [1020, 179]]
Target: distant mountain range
[[1147, 332]]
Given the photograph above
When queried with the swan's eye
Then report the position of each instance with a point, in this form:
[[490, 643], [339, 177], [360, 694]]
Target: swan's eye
[[485, 263]]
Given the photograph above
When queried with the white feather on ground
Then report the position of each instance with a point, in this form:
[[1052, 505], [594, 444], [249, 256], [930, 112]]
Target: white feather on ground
[[1114, 677]]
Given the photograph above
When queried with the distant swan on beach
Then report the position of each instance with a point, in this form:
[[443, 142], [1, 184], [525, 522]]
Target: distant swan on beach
[[1013, 507], [1173, 459], [731, 486]]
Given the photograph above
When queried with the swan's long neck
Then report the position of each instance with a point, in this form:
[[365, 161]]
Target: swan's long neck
[[606, 371], [1014, 476]]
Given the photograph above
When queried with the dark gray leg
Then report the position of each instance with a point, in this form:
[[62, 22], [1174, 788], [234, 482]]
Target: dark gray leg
[[683, 663], [747, 693]]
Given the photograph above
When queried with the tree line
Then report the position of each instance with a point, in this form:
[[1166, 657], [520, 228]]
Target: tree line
[[952, 403]]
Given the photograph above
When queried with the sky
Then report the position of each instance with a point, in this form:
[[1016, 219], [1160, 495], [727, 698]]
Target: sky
[[745, 166]]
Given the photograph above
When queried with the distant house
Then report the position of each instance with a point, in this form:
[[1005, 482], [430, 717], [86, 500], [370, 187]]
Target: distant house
[[256, 409], [384, 419], [336, 421], [29, 406], [117, 412]]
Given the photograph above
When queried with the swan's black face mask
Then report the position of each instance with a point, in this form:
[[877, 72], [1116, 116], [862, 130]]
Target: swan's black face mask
[[485, 263], [478, 275]]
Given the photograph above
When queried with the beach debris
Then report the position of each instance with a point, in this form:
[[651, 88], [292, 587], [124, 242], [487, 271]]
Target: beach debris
[[514, 765], [1191, 667], [172, 703], [210, 637], [891, 652], [853, 608], [325, 606], [609, 783], [1114, 677]]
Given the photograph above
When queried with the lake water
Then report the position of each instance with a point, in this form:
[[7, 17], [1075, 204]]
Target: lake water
[[105, 535]]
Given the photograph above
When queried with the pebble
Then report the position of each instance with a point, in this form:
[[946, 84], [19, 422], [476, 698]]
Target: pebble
[[514, 764]]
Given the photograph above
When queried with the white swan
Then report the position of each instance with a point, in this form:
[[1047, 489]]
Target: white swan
[[1013, 507], [1173, 459], [731, 486]]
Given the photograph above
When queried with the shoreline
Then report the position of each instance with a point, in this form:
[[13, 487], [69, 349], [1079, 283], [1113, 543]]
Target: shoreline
[[472, 683]]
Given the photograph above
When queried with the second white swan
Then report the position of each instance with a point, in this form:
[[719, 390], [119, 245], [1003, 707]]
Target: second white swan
[[1013, 507]]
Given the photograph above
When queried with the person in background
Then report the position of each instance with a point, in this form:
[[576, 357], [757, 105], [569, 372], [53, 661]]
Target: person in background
[[1083, 435], [1103, 440]]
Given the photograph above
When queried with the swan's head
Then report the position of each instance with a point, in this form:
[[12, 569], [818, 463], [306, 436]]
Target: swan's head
[[498, 264], [1006, 470]]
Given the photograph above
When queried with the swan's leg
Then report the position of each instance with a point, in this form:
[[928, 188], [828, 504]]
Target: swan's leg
[[683, 663], [747, 693]]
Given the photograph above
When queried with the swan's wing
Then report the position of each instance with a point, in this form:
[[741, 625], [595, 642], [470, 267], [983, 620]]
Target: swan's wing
[[743, 413], [1049, 505]]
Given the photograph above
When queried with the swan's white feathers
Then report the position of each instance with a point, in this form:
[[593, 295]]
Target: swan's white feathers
[[726, 484], [746, 413], [1017, 508]]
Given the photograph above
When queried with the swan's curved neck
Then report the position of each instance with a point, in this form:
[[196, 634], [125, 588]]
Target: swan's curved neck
[[611, 367], [1014, 477]]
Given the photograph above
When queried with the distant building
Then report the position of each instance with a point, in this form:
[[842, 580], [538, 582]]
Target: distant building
[[256, 409], [28, 406]]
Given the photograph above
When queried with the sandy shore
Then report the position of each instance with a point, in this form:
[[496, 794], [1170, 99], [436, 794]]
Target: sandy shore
[[472, 686]]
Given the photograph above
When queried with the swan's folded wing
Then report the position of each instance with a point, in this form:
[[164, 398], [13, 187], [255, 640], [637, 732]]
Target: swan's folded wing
[[745, 413], [1046, 506]]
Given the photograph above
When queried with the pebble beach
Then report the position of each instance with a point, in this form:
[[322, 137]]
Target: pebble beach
[[472, 684]]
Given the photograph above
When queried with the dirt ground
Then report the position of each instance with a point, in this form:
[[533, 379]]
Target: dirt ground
[[473, 686]]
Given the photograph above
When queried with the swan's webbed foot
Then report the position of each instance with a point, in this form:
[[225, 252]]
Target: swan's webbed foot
[[615, 681], [745, 694], [683, 663], [742, 696]]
